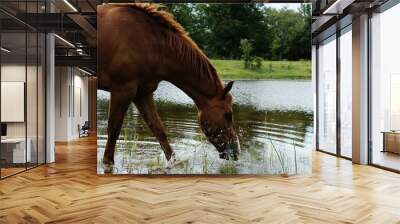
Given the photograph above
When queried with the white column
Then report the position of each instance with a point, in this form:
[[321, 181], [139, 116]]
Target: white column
[[314, 86], [50, 92], [50, 99], [360, 90]]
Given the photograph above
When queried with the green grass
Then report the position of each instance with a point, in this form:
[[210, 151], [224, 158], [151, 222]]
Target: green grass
[[234, 70], [228, 168]]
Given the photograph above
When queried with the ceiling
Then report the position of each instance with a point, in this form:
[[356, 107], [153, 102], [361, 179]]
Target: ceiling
[[74, 22]]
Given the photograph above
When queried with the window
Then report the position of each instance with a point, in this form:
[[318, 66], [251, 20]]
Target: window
[[327, 95], [385, 89], [346, 92]]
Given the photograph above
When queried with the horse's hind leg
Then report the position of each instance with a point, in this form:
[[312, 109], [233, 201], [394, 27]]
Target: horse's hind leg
[[119, 104], [148, 110]]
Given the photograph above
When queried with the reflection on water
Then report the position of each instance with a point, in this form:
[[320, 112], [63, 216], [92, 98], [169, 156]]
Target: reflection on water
[[273, 120], [262, 95]]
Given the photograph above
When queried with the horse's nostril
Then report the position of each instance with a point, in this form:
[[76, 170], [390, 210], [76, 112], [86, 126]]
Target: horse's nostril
[[229, 150], [228, 154], [223, 155]]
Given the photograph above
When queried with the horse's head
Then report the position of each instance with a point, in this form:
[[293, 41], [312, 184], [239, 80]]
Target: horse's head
[[216, 121]]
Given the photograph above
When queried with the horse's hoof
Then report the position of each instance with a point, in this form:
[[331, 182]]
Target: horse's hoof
[[171, 162], [108, 161], [108, 168]]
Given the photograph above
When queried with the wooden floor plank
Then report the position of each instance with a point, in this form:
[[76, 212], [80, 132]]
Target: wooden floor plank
[[70, 191]]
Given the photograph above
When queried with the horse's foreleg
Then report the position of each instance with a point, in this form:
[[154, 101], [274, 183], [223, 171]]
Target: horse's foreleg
[[148, 110], [119, 103]]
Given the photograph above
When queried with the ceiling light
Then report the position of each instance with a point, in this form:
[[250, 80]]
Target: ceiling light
[[65, 41], [5, 50], [337, 7], [70, 5], [84, 71], [331, 7]]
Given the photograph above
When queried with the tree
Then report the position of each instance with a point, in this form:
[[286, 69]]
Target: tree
[[250, 61], [278, 34], [246, 48], [190, 17], [229, 23]]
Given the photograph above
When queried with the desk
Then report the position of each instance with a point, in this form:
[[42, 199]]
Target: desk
[[391, 141], [13, 150]]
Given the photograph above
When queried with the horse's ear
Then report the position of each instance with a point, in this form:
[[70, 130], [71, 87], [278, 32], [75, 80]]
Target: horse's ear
[[228, 87]]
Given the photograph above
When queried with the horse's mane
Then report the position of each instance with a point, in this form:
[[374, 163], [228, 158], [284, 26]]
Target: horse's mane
[[185, 49]]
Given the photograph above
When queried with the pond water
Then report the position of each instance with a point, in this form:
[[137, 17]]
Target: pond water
[[273, 119]]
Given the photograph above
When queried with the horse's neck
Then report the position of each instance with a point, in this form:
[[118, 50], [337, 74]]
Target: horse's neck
[[197, 86]]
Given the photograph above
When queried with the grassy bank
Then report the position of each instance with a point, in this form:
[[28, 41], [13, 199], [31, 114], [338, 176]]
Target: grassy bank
[[234, 69]]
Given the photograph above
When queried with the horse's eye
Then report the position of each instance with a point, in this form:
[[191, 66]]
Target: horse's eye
[[229, 117]]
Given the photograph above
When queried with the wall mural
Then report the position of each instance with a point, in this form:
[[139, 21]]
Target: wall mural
[[166, 100]]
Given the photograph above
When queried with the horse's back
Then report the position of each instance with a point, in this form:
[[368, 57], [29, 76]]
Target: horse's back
[[126, 42]]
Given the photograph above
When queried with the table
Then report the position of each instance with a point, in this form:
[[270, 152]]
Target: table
[[391, 141], [13, 150]]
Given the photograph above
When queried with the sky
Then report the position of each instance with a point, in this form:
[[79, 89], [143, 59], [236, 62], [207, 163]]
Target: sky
[[293, 6]]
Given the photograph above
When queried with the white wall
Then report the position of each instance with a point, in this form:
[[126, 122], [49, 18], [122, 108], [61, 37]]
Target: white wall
[[14, 73], [33, 126], [71, 102], [61, 103], [10, 73]]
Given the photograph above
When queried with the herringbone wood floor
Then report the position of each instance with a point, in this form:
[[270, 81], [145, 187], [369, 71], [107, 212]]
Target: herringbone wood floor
[[69, 191]]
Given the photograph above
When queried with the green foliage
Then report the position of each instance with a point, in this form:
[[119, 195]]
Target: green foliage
[[250, 62], [154, 165], [274, 33], [133, 149], [256, 62], [246, 47], [228, 168], [205, 163]]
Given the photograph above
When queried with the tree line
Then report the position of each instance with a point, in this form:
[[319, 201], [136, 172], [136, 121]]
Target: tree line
[[275, 34]]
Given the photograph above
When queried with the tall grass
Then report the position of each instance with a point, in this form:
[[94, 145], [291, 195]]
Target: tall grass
[[228, 168], [282, 157]]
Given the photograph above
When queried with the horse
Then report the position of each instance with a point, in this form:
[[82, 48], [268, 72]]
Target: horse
[[140, 45]]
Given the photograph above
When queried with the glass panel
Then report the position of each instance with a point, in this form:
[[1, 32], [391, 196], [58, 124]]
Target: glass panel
[[327, 96], [385, 93], [346, 93], [13, 86], [32, 89], [41, 98], [23, 90], [31, 97]]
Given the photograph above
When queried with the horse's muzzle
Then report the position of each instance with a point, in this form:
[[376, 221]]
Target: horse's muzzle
[[231, 151]]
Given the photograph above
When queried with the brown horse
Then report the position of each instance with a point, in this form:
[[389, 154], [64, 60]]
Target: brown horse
[[140, 45]]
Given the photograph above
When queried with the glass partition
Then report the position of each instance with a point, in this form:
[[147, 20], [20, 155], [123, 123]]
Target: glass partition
[[41, 96], [327, 95], [385, 89], [22, 87], [346, 92], [14, 153], [31, 97]]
